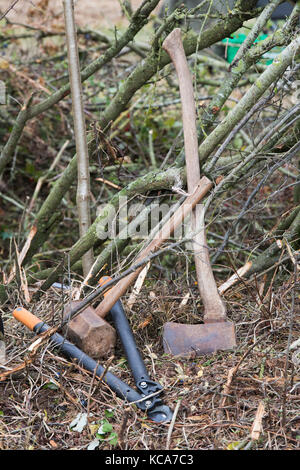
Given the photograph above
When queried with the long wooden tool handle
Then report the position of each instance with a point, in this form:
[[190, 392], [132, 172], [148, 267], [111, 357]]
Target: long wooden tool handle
[[174, 47], [166, 231], [214, 308]]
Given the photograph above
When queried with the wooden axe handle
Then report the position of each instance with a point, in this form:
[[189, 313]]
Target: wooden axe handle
[[166, 231], [214, 308], [174, 47]]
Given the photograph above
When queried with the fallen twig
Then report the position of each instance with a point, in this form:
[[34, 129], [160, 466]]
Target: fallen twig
[[172, 423], [257, 429], [31, 357], [8, 9], [138, 285]]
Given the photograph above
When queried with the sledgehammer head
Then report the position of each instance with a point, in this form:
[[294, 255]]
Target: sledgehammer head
[[184, 340], [90, 333]]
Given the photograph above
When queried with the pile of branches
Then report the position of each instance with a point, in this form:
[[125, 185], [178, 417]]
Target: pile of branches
[[264, 122]]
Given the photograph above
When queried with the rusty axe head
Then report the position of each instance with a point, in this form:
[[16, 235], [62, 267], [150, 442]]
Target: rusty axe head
[[185, 340]]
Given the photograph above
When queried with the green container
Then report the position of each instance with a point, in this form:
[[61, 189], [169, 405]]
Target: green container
[[233, 44]]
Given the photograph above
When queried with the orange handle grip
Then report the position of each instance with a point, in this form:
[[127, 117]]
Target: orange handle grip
[[104, 281], [26, 317]]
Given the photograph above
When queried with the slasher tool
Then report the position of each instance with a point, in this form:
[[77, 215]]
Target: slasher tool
[[202, 187], [147, 398], [216, 333], [87, 329]]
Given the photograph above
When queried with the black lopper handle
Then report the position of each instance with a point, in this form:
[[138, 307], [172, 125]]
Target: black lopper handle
[[123, 328], [142, 380], [135, 361]]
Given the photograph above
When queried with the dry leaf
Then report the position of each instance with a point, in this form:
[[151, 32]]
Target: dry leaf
[[4, 64], [185, 300], [144, 323], [198, 417]]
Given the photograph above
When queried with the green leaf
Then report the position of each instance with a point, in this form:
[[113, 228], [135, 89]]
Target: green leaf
[[51, 386], [104, 428], [169, 123], [107, 427], [109, 413], [31, 170], [122, 363], [233, 445], [113, 439]]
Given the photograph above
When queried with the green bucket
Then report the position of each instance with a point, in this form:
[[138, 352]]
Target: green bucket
[[233, 44]]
